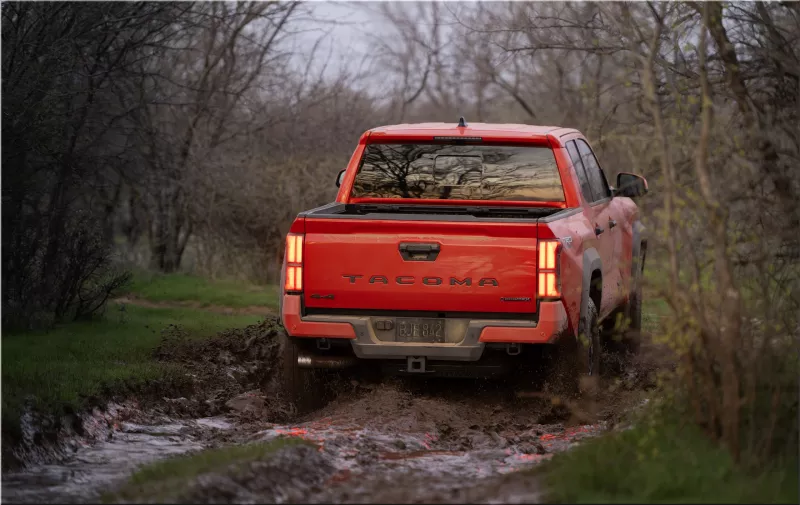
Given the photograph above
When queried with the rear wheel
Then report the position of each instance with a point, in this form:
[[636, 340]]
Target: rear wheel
[[576, 364], [633, 339], [623, 340], [301, 386]]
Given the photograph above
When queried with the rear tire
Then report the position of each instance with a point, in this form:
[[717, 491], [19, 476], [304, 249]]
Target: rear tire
[[301, 386], [577, 361], [624, 343], [633, 339]]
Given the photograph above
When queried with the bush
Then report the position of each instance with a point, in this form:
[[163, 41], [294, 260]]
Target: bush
[[48, 278]]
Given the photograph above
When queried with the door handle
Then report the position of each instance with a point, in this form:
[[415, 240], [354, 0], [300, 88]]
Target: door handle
[[598, 230], [611, 223], [419, 252]]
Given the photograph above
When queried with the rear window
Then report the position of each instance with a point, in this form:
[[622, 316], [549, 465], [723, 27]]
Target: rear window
[[458, 172]]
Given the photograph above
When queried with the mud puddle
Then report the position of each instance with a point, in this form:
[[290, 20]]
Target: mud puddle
[[95, 468], [394, 445], [370, 466], [385, 444]]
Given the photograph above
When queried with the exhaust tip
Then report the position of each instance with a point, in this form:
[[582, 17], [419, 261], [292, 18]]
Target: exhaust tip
[[330, 362]]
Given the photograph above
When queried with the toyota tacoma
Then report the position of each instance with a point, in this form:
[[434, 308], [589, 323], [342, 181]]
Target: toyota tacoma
[[463, 250]]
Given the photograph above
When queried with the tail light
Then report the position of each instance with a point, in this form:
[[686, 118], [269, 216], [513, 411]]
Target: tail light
[[294, 263], [549, 269]]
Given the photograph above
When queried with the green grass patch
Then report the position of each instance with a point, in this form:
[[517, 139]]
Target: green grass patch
[[160, 480], [62, 366], [661, 461], [654, 312], [187, 288]]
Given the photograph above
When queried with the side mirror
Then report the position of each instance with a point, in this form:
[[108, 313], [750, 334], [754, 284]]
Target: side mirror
[[339, 179], [630, 185]]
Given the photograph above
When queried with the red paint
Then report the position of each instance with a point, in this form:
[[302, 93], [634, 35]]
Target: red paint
[[497, 253]]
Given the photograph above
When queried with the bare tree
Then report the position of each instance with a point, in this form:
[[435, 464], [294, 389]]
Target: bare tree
[[224, 53], [66, 68]]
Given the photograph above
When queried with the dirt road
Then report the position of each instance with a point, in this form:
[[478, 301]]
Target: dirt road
[[399, 441]]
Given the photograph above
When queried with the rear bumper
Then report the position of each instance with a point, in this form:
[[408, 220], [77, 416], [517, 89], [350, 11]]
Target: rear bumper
[[359, 330]]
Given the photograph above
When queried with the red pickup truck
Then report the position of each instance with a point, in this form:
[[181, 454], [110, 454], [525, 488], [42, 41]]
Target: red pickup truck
[[463, 250]]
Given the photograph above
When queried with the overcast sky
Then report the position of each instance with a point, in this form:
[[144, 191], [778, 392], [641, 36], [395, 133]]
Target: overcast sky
[[344, 27]]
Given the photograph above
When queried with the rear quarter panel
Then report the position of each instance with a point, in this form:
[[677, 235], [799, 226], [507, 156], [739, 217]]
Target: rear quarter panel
[[577, 236]]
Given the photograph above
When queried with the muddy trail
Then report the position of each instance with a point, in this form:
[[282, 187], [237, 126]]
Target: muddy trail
[[395, 441]]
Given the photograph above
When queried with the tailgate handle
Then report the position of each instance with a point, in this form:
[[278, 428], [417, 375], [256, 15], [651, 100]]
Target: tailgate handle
[[411, 251]]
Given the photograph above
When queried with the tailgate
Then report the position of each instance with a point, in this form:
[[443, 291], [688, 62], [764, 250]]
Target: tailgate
[[480, 267]]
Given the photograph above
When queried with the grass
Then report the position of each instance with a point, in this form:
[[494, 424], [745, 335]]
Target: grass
[[665, 457], [61, 366], [661, 461], [65, 365], [187, 288], [158, 481], [654, 310]]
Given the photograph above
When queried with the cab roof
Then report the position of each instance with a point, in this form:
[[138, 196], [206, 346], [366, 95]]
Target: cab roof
[[484, 130]]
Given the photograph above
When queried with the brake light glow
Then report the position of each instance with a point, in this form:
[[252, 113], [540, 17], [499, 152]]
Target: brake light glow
[[549, 269], [294, 263]]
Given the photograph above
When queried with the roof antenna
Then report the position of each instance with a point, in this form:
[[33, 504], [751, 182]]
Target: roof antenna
[[462, 123]]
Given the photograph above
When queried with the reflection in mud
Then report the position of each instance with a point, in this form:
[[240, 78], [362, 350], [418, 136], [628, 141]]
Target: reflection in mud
[[444, 449], [94, 469]]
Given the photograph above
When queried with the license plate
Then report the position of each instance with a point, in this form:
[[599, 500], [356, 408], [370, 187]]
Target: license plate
[[420, 330]]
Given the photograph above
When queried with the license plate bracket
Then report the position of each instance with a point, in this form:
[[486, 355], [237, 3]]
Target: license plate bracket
[[419, 329]]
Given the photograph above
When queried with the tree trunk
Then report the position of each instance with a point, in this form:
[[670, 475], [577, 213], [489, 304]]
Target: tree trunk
[[168, 238]]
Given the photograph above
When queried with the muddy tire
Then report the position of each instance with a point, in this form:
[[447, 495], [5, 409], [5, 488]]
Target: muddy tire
[[576, 363], [301, 386], [623, 345], [633, 338]]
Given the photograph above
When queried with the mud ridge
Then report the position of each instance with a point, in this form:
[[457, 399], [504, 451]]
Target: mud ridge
[[234, 362], [216, 370]]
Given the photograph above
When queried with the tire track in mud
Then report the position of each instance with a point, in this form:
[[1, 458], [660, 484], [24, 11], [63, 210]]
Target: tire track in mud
[[397, 441], [450, 444]]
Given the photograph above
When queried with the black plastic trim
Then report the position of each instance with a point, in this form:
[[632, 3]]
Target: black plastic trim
[[338, 211], [560, 215], [412, 251]]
